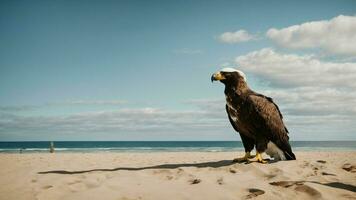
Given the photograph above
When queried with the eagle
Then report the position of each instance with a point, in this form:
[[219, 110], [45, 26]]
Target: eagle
[[256, 117]]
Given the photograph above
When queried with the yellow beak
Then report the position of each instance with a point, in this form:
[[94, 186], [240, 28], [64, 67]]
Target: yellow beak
[[217, 77]]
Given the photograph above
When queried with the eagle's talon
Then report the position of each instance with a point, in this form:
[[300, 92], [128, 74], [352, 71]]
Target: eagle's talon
[[260, 159]]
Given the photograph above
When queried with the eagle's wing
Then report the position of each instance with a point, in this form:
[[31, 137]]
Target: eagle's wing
[[248, 143], [268, 120]]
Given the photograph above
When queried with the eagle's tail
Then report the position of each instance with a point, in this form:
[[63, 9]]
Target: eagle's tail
[[286, 147], [289, 155], [280, 150]]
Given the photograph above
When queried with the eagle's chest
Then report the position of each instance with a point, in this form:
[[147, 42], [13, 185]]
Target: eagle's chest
[[237, 110], [238, 113], [234, 109]]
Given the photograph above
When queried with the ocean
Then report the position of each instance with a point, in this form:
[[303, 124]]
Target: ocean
[[161, 146]]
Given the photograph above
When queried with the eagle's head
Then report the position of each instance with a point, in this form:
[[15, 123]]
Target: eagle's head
[[229, 76]]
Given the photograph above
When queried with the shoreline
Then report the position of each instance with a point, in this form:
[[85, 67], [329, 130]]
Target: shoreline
[[163, 146], [68, 151]]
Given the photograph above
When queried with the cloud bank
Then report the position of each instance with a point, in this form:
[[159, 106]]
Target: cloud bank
[[315, 96], [335, 36], [121, 122], [291, 70]]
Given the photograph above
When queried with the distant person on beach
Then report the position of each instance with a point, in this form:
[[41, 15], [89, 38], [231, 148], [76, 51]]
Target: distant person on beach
[[51, 147]]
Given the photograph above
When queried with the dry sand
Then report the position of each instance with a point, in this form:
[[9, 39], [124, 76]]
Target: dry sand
[[176, 175]]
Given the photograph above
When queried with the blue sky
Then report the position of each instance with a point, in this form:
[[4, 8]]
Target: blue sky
[[140, 70]]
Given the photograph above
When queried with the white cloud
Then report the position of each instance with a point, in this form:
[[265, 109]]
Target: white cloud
[[18, 108], [291, 70], [90, 102], [236, 37], [315, 96], [205, 119], [308, 113], [315, 101], [207, 104], [25, 108], [336, 36], [123, 121]]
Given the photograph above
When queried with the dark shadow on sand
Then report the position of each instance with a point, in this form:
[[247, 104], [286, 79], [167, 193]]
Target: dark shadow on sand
[[338, 185], [216, 164]]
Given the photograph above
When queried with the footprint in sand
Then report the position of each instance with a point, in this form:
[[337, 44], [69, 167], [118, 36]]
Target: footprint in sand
[[349, 196], [305, 164], [74, 182], [181, 173], [308, 190], [220, 181], [254, 193], [348, 167], [194, 181], [327, 174], [161, 171], [47, 187], [315, 171], [169, 177], [76, 186], [273, 173], [298, 186], [165, 174], [286, 184]]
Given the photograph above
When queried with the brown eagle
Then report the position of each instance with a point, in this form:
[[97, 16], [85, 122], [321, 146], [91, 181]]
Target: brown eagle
[[255, 116]]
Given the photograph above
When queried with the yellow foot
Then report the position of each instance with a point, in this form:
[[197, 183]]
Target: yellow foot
[[245, 158], [260, 159]]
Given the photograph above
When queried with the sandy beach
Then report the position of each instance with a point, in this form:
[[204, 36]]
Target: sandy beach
[[175, 175]]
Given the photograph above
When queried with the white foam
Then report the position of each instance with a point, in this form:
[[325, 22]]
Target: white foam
[[229, 69]]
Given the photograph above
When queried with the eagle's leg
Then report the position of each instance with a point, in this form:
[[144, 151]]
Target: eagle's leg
[[259, 158], [246, 157], [261, 146], [248, 144]]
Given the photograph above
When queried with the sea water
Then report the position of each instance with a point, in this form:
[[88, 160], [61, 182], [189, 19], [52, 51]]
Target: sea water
[[162, 146]]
